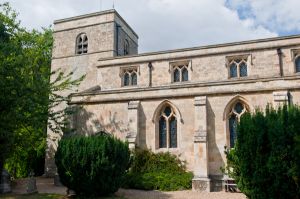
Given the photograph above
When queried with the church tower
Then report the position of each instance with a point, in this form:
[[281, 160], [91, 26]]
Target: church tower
[[79, 43]]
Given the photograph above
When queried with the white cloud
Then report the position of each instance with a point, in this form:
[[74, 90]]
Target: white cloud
[[160, 24], [276, 15]]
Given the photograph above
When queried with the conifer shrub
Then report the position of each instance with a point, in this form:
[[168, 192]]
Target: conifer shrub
[[92, 166], [265, 161], [157, 171]]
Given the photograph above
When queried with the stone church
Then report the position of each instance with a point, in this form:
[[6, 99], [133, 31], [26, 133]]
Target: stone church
[[185, 101]]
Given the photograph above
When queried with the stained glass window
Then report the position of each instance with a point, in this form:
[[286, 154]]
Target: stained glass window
[[162, 132], [185, 74], [133, 79], [243, 69], [126, 79], [297, 63], [232, 129], [173, 132], [233, 70], [176, 75]]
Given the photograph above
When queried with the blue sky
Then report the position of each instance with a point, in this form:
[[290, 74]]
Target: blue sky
[[172, 24]]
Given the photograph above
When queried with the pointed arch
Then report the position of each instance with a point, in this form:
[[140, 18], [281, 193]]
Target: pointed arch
[[233, 111], [233, 101], [160, 107], [167, 120]]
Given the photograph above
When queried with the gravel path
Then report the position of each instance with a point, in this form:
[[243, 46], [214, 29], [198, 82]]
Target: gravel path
[[45, 185]]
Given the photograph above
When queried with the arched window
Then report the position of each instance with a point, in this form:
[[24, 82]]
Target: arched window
[[180, 73], [237, 110], [297, 64], [185, 74], [233, 70], [126, 79], [133, 78], [126, 47], [167, 128], [238, 68], [129, 77], [243, 69], [176, 75], [81, 44]]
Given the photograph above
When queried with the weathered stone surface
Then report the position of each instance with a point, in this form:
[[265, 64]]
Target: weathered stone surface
[[202, 104]]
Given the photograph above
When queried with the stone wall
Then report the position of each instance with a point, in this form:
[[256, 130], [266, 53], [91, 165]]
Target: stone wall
[[201, 105]]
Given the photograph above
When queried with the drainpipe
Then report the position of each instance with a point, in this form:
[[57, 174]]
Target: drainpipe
[[279, 53], [150, 73]]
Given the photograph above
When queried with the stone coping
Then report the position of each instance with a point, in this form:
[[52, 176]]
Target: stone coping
[[93, 15], [272, 39]]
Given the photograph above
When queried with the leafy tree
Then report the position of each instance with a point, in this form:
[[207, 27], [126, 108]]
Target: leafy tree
[[28, 97], [265, 160]]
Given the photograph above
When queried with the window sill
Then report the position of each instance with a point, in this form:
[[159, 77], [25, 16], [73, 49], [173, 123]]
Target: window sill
[[130, 86], [182, 82], [239, 78], [173, 150]]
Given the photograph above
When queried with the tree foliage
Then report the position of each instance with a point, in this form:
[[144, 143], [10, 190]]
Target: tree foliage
[[265, 161], [25, 105], [92, 166]]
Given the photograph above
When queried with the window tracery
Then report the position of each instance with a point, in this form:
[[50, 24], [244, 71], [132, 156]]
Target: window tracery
[[237, 110], [167, 128], [82, 44], [129, 77], [180, 73], [238, 68]]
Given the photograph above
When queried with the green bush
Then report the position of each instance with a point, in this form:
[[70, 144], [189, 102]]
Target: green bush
[[266, 159], [161, 171], [92, 166]]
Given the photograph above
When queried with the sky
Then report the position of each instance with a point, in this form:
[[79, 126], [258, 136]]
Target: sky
[[172, 24]]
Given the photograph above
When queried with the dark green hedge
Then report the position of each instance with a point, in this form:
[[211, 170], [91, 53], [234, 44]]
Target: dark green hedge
[[92, 166], [266, 157], [161, 171]]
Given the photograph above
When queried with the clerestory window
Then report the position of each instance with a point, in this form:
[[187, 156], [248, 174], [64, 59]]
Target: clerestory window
[[180, 73], [81, 44], [129, 77], [238, 68], [167, 128]]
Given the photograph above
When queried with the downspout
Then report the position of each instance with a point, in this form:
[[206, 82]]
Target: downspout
[[279, 53], [150, 73]]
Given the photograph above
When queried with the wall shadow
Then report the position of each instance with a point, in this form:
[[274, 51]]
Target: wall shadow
[[88, 123], [142, 128], [214, 154]]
